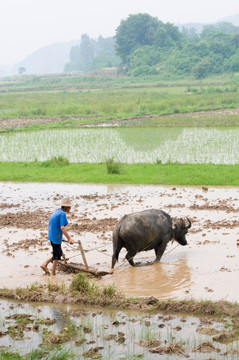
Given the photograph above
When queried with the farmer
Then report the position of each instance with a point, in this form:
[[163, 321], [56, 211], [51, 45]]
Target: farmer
[[57, 227]]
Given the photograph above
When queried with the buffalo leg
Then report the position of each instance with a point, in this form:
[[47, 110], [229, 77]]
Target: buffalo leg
[[113, 261], [129, 256], [159, 251]]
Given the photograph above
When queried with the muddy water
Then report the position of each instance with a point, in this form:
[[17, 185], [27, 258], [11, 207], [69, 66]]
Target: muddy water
[[204, 272], [111, 335], [207, 268]]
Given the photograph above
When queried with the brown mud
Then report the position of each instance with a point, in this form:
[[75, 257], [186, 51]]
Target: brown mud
[[205, 269]]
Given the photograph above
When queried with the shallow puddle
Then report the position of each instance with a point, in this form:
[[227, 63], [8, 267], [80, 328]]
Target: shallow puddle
[[201, 272], [205, 269], [161, 280]]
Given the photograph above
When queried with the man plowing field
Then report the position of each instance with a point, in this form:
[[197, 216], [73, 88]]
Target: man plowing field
[[57, 228]]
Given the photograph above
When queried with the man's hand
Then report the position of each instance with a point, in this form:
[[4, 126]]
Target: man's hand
[[70, 241]]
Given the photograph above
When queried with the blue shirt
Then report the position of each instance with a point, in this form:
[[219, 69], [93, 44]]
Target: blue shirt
[[56, 220]]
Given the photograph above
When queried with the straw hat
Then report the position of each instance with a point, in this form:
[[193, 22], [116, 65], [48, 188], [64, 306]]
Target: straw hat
[[66, 202]]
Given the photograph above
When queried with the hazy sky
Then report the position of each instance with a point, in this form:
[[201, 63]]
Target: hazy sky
[[27, 25]]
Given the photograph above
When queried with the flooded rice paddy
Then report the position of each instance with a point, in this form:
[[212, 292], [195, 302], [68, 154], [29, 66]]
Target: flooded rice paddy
[[197, 145], [90, 333], [205, 269]]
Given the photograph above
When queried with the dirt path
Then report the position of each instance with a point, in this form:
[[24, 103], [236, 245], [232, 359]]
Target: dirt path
[[18, 122], [207, 268], [224, 117]]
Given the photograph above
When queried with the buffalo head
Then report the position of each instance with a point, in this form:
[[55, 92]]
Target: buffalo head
[[180, 229]]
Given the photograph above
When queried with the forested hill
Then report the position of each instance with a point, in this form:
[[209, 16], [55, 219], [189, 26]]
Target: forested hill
[[46, 60], [144, 45], [234, 19]]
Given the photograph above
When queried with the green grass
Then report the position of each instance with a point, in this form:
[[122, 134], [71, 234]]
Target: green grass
[[168, 174], [104, 81], [116, 103]]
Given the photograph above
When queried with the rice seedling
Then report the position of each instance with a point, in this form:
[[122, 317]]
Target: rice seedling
[[62, 354], [109, 335], [149, 332], [171, 145]]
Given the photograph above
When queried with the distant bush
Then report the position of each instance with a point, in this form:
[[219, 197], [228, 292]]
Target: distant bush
[[112, 166], [56, 161]]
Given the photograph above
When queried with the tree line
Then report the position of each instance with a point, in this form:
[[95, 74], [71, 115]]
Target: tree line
[[144, 45]]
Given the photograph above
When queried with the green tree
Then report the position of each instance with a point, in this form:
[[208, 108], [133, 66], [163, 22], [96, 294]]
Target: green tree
[[86, 52], [81, 56], [143, 61], [232, 64], [142, 30], [235, 41], [168, 35], [105, 56], [137, 30], [92, 54], [220, 43], [191, 34], [202, 68], [21, 70], [75, 53], [223, 27]]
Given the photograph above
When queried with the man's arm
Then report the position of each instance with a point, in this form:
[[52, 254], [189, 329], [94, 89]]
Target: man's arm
[[70, 240]]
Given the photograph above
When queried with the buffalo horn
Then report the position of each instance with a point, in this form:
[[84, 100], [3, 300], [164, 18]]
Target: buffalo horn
[[189, 223]]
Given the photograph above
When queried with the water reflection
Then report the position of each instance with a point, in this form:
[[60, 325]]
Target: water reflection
[[162, 280], [60, 317], [112, 334], [147, 139]]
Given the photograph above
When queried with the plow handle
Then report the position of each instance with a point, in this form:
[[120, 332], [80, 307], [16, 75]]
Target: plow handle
[[82, 254]]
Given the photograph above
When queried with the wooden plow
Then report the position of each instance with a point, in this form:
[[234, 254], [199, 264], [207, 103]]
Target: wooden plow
[[82, 267]]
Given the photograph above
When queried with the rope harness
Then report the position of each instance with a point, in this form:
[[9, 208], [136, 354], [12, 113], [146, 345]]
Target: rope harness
[[96, 249], [165, 253], [123, 261]]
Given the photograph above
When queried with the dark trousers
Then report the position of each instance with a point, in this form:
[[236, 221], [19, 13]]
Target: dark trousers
[[57, 252]]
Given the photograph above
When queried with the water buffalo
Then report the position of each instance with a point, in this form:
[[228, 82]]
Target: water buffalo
[[147, 230]]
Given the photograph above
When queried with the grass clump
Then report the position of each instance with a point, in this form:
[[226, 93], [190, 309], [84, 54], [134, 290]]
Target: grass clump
[[81, 283], [158, 161], [92, 294], [109, 290], [51, 286], [112, 166], [56, 161]]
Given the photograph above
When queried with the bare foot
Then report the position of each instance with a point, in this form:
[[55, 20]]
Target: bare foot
[[53, 274], [44, 268]]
